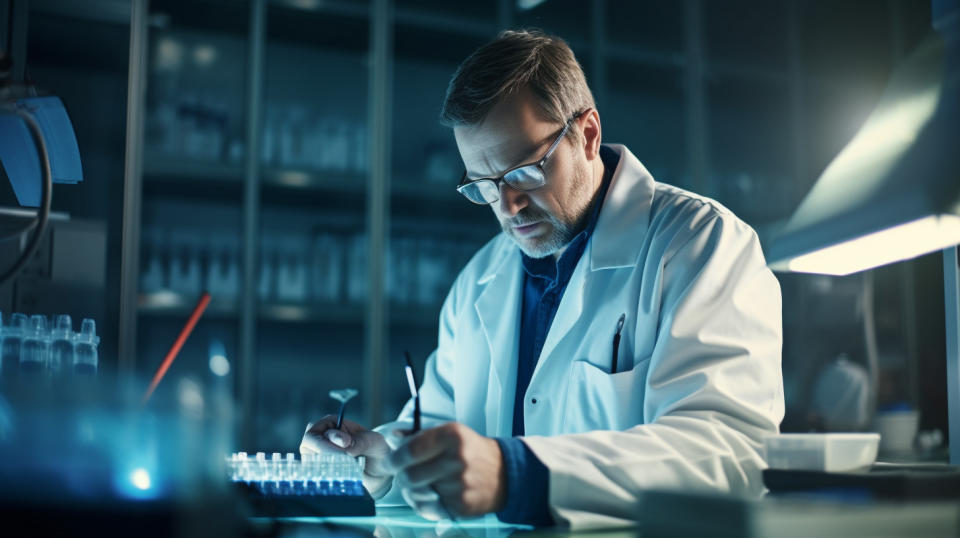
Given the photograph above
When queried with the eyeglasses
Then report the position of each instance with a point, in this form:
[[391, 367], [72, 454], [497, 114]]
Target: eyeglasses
[[524, 177]]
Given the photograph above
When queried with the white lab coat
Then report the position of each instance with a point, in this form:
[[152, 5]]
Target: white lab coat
[[699, 384]]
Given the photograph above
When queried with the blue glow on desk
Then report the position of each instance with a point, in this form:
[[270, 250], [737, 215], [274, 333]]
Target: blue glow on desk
[[392, 520]]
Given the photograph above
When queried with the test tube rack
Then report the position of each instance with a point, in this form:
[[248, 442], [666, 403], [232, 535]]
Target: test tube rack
[[315, 485]]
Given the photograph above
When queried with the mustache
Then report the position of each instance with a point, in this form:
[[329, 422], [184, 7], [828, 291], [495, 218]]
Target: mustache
[[525, 217]]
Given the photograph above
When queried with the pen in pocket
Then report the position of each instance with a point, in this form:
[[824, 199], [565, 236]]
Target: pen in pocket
[[614, 366]]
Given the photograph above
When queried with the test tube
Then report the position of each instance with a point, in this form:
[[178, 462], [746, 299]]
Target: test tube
[[85, 351], [288, 471], [306, 470], [261, 468], [35, 350], [275, 463], [12, 341], [244, 468], [61, 345]]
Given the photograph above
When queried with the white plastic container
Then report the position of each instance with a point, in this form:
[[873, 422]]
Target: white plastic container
[[898, 429], [835, 452]]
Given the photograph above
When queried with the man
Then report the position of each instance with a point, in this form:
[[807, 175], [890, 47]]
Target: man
[[620, 335]]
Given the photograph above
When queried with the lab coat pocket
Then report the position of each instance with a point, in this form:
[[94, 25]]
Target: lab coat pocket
[[599, 400]]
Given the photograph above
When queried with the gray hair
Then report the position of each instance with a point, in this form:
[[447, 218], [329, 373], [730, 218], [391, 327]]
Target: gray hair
[[515, 60]]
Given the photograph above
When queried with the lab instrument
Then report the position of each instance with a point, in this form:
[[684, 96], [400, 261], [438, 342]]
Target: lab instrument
[[8, 132], [343, 396]]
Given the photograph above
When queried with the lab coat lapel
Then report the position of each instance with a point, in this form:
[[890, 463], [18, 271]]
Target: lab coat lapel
[[616, 242], [498, 307], [625, 215]]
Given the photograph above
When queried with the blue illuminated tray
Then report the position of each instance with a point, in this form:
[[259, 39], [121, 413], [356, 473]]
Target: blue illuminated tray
[[309, 500]]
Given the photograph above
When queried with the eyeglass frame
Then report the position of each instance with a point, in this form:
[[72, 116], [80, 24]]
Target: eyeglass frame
[[538, 163]]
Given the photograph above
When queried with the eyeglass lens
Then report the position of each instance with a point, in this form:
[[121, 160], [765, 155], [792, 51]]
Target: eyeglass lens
[[481, 192], [524, 178]]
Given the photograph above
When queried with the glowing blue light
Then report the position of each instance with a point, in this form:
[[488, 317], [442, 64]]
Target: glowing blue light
[[140, 482], [140, 479]]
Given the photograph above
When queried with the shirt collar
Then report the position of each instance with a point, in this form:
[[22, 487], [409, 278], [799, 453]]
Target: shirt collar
[[546, 267]]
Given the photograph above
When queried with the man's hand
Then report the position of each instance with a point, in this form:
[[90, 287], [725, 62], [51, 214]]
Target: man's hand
[[323, 436], [450, 470]]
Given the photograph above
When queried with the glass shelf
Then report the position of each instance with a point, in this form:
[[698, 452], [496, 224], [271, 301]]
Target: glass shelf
[[169, 304]]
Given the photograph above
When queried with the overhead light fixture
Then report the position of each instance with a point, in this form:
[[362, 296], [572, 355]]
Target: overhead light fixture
[[893, 193]]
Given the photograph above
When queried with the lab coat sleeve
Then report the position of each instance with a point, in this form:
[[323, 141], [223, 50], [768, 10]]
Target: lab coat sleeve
[[436, 390], [713, 390]]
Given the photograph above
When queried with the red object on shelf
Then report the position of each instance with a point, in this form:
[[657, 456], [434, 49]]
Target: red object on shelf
[[177, 344]]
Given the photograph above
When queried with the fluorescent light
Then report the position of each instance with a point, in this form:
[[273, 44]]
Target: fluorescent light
[[888, 134], [902, 242]]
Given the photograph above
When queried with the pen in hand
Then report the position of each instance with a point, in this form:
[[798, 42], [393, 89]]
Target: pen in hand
[[414, 392]]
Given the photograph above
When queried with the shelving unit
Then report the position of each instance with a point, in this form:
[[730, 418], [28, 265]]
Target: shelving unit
[[378, 69]]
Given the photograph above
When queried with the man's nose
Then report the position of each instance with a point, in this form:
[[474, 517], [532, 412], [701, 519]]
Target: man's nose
[[512, 200]]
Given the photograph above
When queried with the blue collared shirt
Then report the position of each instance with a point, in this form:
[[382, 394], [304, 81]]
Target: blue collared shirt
[[545, 280]]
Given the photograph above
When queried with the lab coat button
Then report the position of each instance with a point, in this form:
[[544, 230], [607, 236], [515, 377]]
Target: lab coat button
[[533, 400]]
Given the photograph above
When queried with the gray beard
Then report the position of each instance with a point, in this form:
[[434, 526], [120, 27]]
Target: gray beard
[[560, 236], [562, 230]]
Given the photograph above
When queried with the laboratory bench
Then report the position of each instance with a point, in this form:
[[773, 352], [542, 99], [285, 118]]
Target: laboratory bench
[[390, 521], [666, 514]]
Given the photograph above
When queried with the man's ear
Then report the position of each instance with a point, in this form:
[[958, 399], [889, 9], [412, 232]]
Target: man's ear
[[590, 129]]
